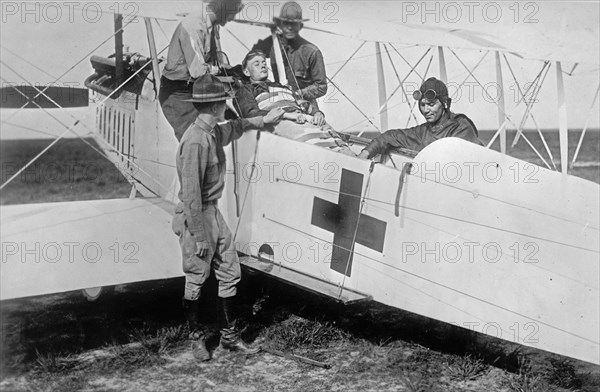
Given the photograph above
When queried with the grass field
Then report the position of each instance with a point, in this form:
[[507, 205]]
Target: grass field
[[134, 338]]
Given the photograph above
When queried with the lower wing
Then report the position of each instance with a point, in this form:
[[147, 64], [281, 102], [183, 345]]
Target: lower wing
[[57, 247]]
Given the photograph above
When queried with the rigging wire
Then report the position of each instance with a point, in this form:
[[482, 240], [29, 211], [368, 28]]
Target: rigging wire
[[529, 105], [415, 103], [237, 227], [472, 222], [102, 153], [72, 67], [535, 88], [28, 62], [522, 98], [362, 205], [401, 82], [500, 108], [355, 106], [408, 63], [455, 235], [587, 120], [349, 59], [474, 68], [435, 283], [77, 122]]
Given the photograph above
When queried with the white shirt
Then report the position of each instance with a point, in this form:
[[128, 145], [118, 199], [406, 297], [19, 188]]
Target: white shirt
[[189, 49]]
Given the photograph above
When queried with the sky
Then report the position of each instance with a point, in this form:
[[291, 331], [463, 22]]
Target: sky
[[59, 37]]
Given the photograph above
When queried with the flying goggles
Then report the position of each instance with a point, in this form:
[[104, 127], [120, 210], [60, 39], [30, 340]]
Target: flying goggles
[[428, 94]]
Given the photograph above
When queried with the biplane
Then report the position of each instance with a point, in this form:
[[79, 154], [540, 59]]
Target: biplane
[[459, 233]]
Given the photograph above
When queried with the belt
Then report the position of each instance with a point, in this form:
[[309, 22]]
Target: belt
[[176, 83], [179, 208]]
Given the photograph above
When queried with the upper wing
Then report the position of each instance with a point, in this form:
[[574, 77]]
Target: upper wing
[[56, 247], [523, 41], [556, 31], [552, 31]]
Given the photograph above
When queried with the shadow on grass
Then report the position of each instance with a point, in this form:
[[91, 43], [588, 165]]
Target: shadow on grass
[[41, 334]]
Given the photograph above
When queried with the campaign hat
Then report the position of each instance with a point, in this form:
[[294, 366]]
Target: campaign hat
[[208, 88], [290, 12]]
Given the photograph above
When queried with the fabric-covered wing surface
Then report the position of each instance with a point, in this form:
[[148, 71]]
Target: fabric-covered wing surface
[[58, 247]]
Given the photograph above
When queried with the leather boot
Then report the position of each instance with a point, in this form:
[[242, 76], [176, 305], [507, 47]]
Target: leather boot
[[230, 334], [191, 310]]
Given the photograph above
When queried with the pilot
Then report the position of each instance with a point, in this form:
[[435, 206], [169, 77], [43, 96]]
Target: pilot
[[193, 52], [257, 95], [304, 66], [434, 105], [205, 240]]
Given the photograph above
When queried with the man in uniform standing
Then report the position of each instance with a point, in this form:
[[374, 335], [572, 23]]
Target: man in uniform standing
[[206, 242], [303, 61], [193, 52]]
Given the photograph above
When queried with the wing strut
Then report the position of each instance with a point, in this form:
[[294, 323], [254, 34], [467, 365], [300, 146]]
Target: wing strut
[[587, 120], [443, 73], [492, 100], [279, 60], [501, 106], [118, 48], [528, 103], [400, 84], [383, 115], [562, 119], [153, 54]]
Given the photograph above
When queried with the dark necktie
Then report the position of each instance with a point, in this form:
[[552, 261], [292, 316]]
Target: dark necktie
[[214, 33]]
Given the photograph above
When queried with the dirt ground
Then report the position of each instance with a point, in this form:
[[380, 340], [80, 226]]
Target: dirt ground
[[134, 339]]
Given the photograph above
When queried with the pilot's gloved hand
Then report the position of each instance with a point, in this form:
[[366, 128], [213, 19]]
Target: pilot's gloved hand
[[363, 154], [319, 119]]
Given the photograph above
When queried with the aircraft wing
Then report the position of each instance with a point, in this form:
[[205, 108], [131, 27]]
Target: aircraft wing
[[545, 47], [555, 31], [58, 247], [563, 36]]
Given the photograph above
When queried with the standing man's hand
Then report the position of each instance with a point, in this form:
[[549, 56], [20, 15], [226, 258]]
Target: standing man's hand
[[273, 116], [202, 248], [363, 154], [319, 119]]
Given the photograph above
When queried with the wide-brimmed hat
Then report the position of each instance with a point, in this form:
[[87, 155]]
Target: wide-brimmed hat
[[209, 88], [290, 12]]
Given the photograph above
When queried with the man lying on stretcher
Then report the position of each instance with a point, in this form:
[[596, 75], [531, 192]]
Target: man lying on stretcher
[[258, 95]]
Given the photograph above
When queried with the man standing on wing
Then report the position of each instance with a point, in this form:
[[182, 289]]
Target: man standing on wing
[[434, 105], [193, 52], [205, 240], [303, 61]]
